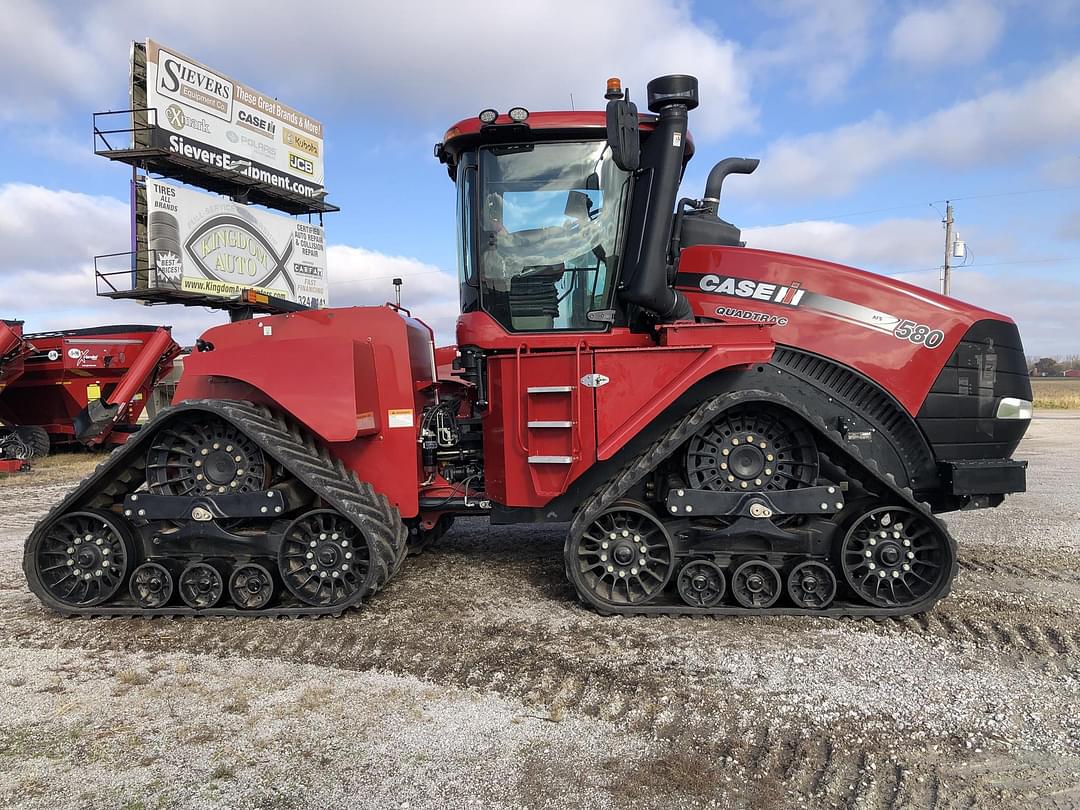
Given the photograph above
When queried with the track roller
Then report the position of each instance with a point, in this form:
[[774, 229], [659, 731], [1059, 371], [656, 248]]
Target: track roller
[[811, 585], [201, 585], [701, 583], [151, 585], [756, 584], [324, 559], [251, 586]]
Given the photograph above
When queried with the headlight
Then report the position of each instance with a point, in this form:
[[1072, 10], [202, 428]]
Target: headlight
[[1014, 408]]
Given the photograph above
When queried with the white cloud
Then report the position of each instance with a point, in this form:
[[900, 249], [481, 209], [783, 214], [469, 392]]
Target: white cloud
[[957, 32], [1069, 228], [820, 46], [48, 239], [991, 129], [890, 244], [360, 277], [436, 59]]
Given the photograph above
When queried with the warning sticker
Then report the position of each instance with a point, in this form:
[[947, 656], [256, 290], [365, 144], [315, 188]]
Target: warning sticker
[[365, 421], [402, 417]]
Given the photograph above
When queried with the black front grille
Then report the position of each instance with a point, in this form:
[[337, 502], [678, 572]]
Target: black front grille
[[959, 414]]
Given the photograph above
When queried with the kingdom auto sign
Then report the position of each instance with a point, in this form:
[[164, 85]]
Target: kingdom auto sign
[[206, 116], [199, 243]]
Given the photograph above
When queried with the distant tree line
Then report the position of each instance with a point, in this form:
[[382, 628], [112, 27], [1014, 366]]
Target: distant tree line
[[1052, 366]]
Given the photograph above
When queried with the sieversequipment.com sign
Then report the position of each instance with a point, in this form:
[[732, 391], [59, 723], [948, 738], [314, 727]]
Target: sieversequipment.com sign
[[207, 117], [200, 243]]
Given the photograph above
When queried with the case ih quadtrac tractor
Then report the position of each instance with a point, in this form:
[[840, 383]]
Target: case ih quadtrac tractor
[[722, 429]]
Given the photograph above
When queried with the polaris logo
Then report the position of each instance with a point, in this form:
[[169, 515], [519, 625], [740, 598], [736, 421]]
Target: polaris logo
[[755, 290]]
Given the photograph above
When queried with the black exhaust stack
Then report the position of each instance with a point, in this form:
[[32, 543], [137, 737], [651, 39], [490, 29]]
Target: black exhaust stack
[[646, 262], [731, 165]]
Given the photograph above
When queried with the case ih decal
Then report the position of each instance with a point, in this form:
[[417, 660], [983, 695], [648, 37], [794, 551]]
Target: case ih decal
[[794, 295]]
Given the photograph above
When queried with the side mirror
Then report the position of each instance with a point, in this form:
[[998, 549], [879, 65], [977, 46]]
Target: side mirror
[[622, 134]]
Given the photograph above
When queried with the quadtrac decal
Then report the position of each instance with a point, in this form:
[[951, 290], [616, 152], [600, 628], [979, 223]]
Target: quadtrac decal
[[795, 296]]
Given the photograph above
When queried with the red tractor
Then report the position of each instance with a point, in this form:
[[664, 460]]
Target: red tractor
[[723, 429]]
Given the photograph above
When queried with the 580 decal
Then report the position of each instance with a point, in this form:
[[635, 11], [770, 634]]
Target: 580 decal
[[919, 334]]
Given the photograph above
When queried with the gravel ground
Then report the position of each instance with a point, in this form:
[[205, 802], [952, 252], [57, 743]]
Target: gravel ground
[[475, 680]]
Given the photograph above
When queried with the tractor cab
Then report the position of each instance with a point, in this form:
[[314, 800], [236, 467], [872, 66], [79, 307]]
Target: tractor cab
[[566, 220]]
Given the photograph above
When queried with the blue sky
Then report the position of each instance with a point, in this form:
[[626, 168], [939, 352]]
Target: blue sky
[[867, 115]]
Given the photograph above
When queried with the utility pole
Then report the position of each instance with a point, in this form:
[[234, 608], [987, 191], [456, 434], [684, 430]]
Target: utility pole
[[946, 276]]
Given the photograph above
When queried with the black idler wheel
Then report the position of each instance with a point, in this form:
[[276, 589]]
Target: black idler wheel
[[201, 585], [701, 583], [251, 586], [624, 557], [204, 455], [894, 557], [324, 559], [151, 585], [756, 584], [82, 558], [811, 585]]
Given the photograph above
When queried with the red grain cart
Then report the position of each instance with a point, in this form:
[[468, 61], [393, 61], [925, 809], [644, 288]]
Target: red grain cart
[[85, 385]]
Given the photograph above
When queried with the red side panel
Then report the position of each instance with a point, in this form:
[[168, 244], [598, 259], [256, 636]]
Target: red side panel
[[346, 374], [895, 333], [539, 434]]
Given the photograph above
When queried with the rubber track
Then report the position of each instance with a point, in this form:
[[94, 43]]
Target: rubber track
[[288, 444], [696, 421]]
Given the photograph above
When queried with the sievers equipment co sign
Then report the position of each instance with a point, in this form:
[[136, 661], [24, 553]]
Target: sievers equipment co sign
[[200, 243], [209, 118]]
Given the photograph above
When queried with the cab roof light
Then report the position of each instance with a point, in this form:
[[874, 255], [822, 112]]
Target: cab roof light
[[614, 88], [518, 114], [488, 116]]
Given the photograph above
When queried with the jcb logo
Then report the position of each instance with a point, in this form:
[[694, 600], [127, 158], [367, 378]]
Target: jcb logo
[[301, 164]]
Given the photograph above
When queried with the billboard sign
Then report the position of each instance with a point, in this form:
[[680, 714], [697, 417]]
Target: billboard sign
[[201, 243], [209, 118]]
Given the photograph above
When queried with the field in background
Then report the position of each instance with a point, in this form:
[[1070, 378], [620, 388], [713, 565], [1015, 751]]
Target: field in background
[[1056, 392]]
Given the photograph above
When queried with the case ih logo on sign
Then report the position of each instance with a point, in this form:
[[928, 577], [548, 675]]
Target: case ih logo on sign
[[205, 244]]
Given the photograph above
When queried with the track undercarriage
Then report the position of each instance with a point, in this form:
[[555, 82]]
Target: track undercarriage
[[216, 508], [743, 506], [753, 507]]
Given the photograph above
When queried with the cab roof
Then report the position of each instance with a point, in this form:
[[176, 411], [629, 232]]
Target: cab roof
[[469, 133]]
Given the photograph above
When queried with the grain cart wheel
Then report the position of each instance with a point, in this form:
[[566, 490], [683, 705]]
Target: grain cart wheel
[[251, 586], [756, 584], [81, 559], [201, 585], [324, 559], [701, 583], [151, 585], [35, 438], [894, 557], [204, 454], [624, 557], [811, 585]]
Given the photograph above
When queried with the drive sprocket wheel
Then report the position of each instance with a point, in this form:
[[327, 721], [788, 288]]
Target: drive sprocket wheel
[[752, 448], [811, 585], [251, 586], [151, 585], [894, 557], [204, 455], [324, 559], [756, 584], [701, 583], [623, 557], [82, 558]]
